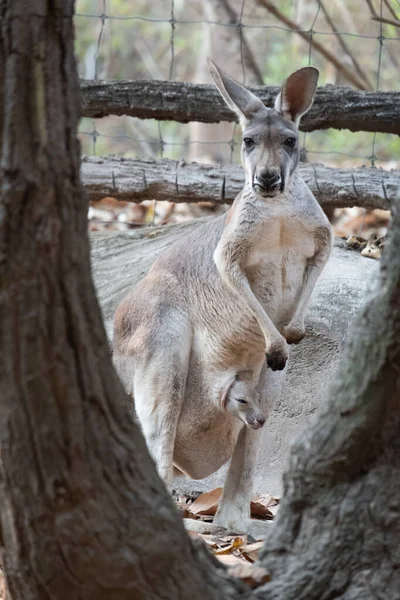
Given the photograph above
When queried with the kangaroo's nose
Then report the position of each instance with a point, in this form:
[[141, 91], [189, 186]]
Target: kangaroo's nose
[[260, 419], [268, 176]]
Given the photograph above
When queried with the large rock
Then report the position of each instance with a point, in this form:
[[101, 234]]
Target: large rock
[[120, 260]]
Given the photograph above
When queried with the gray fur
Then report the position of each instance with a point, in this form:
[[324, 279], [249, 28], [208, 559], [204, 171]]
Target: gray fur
[[224, 301]]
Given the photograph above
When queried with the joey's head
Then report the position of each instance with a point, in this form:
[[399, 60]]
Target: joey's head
[[242, 401], [270, 145]]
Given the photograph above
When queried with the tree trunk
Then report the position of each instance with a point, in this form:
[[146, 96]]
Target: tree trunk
[[83, 512], [338, 531]]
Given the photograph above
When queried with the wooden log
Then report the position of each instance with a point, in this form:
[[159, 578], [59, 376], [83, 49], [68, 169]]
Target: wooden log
[[136, 179], [334, 106]]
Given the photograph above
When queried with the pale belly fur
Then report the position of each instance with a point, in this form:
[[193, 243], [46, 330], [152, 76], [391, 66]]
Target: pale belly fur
[[206, 435], [204, 445]]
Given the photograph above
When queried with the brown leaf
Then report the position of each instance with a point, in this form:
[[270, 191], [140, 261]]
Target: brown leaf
[[371, 251], [236, 542], [252, 575], [356, 242], [186, 514], [207, 503], [264, 506], [229, 560], [250, 551], [274, 509]]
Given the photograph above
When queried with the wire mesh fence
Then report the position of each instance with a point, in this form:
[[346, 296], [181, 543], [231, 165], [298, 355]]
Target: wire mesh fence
[[258, 42]]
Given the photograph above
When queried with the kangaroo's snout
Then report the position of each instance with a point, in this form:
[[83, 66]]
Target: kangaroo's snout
[[255, 421], [268, 180], [260, 420]]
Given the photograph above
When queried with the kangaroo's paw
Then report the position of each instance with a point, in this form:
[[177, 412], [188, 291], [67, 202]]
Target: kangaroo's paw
[[277, 356], [294, 333]]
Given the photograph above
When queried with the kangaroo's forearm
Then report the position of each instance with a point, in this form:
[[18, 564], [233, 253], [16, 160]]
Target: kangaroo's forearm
[[233, 276], [312, 273]]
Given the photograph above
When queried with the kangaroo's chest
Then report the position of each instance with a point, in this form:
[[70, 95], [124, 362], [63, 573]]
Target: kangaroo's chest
[[289, 240], [276, 265]]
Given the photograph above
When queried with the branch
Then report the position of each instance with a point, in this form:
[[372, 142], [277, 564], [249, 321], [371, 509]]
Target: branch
[[348, 73], [134, 180], [345, 47], [390, 9], [376, 17], [392, 55], [388, 21], [248, 55], [334, 106], [372, 8]]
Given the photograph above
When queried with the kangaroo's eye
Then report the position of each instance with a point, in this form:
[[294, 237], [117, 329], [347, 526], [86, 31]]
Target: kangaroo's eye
[[248, 142], [290, 142], [241, 400]]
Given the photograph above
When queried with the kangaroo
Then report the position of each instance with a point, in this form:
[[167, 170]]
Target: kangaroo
[[241, 400], [227, 298]]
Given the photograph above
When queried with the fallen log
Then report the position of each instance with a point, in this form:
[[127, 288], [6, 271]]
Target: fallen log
[[334, 106], [135, 180]]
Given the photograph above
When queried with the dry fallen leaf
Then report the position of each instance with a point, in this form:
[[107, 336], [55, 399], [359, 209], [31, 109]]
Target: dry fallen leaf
[[207, 503], [250, 551], [371, 248], [274, 509], [182, 504], [264, 506], [261, 506], [109, 203], [371, 251], [356, 242], [222, 544], [235, 542], [230, 560], [252, 575]]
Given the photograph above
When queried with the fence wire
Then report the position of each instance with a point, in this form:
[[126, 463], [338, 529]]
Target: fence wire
[[106, 29]]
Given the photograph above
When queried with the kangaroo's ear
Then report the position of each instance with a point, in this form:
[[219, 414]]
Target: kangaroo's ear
[[224, 395], [241, 101], [297, 94]]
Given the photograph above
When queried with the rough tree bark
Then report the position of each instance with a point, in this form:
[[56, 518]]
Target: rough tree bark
[[334, 106], [83, 512], [136, 179], [338, 531]]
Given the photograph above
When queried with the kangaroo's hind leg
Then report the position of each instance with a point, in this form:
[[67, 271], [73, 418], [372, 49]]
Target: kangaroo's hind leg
[[159, 388], [234, 507]]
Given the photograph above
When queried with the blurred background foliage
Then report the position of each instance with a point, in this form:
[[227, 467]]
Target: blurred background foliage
[[171, 39], [160, 39]]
